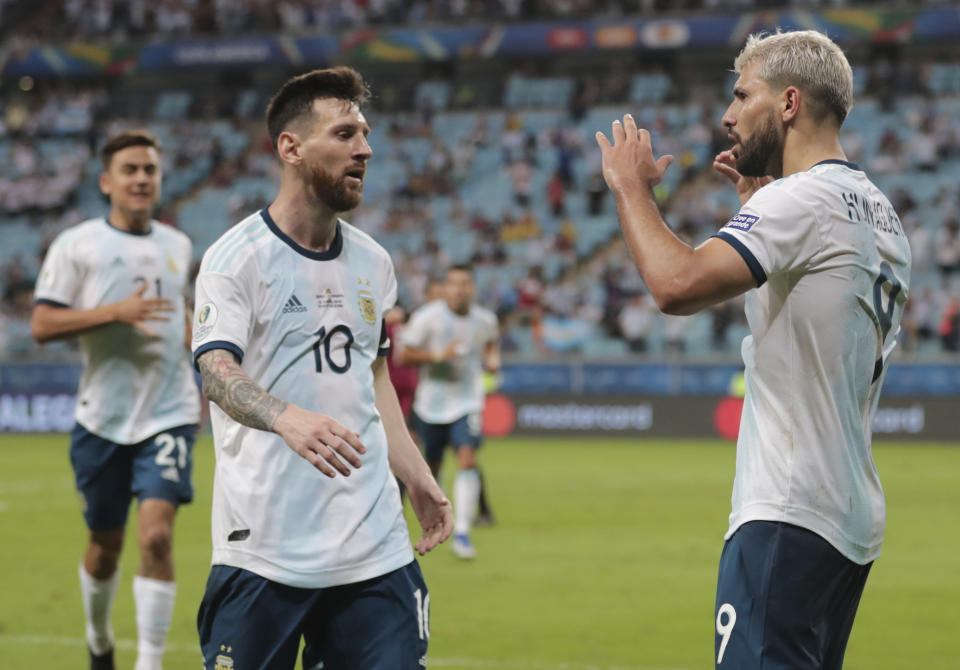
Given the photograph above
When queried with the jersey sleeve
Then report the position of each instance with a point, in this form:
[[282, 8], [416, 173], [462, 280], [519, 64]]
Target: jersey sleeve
[[774, 232], [389, 301], [60, 275], [223, 314], [415, 333]]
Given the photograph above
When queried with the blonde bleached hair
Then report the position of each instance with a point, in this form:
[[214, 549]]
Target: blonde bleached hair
[[807, 59]]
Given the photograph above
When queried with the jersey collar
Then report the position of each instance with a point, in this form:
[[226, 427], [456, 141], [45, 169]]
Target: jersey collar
[[327, 255], [149, 230], [837, 161]]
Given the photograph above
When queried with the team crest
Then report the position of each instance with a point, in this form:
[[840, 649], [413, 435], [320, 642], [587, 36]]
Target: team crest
[[172, 265], [368, 308], [224, 662]]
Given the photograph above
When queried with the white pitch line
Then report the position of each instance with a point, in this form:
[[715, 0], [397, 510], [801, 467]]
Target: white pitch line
[[45, 641]]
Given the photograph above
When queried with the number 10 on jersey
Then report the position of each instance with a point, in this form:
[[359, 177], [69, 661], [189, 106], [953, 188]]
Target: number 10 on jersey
[[324, 344]]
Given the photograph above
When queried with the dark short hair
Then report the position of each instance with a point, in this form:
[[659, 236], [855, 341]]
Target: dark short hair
[[461, 267], [128, 138], [295, 98]]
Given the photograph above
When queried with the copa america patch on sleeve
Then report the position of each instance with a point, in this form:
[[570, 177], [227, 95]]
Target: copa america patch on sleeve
[[742, 222]]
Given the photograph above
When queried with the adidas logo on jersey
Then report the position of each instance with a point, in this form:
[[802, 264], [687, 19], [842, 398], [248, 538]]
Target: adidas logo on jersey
[[293, 305]]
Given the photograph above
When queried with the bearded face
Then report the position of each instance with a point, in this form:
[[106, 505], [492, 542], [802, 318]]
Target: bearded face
[[341, 193], [761, 154]]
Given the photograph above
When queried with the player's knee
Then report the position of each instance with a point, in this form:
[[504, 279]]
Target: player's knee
[[156, 541], [466, 458]]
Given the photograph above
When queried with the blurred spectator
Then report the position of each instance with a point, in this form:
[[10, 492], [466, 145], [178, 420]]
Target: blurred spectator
[[636, 321], [948, 247], [16, 341], [949, 328]]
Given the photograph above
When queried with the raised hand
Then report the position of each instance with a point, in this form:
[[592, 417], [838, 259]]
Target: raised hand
[[725, 163], [628, 163]]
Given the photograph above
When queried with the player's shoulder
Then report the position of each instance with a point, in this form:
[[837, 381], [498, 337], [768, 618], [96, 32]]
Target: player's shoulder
[[482, 313], [78, 240], [236, 246], [799, 194], [81, 231], [168, 233], [428, 311], [354, 236]]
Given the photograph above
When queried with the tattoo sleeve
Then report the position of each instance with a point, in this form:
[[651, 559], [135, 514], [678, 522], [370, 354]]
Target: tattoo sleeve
[[239, 396]]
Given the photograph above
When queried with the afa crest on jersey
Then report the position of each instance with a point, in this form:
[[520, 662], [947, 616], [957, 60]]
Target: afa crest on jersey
[[368, 308], [224, 662]]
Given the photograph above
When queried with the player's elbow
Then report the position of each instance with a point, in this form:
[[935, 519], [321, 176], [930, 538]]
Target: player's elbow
[[678, 306], [675, 296], [39, 330]]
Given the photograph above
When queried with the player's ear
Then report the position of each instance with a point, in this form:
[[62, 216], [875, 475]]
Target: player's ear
[[288, 148], [790, 103], [104, 183]]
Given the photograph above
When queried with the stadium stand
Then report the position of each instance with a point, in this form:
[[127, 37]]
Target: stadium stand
[[513, 187]]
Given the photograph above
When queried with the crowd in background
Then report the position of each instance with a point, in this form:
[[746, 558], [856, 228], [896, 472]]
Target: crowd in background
[[554, 294], [138, 20]]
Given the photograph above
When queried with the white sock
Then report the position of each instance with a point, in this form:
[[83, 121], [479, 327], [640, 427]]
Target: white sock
[[466, 498], [97, 596], [154, 601]]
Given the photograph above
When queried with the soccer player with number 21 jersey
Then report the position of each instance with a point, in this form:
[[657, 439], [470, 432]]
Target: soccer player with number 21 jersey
[[117, 283]]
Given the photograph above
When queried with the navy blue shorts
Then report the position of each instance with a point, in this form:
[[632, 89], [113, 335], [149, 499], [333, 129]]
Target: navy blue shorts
[[786, 599], [109, 475], [464, 433], [247, 621]]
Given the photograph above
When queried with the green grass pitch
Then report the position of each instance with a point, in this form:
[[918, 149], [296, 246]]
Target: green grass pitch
[[604, 558]]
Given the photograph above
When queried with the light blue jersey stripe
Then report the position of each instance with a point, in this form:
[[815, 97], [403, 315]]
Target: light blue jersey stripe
[[230, 242], [225, 243], [250, 239]]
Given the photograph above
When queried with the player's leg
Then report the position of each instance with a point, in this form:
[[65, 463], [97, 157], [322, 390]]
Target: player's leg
[[484, 511], [102, 471], [848, 580], [777, 598], [99, 577], [433, 437], [163, 466], [379, 624], [247, 621], [465, 435]]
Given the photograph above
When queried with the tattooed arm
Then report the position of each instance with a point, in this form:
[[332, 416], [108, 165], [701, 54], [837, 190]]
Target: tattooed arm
[[316, 437]]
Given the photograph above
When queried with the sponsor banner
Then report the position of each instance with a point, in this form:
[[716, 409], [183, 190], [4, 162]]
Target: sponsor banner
[[846, 26], [36, 413], [920, 418]]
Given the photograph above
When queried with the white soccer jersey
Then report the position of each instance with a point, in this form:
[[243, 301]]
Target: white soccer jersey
[[306, 326], [453, 389], [833, 266], [133, 385]]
